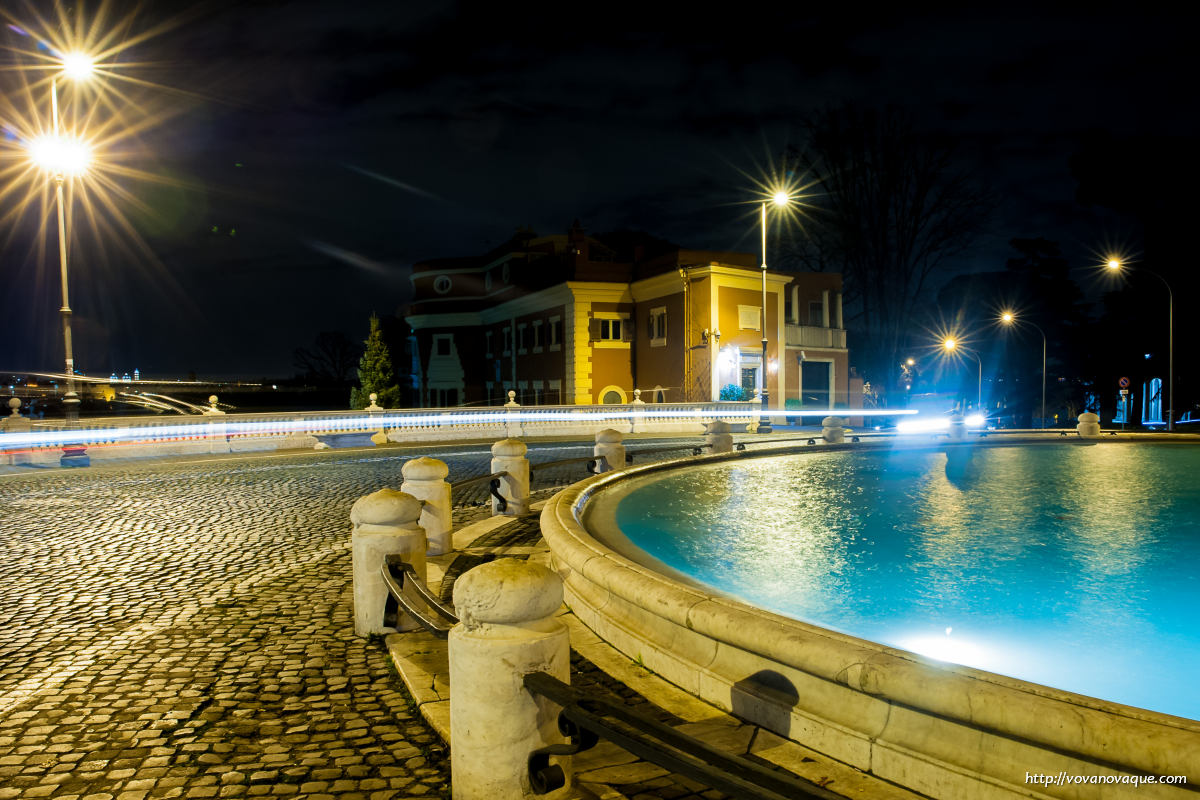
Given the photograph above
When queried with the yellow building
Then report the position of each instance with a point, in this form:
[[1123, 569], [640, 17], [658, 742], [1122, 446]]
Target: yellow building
[[561, 320]]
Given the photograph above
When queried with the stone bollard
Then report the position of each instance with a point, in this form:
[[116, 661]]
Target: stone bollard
[[718, 437], [373, 407], [958, 427], [637, 417], [507, 629], [425, 479], [508, 455], [15, 423], [1089, 424], [385, 524], [832, 429], [608, 445], [212, 406], [512, 427]]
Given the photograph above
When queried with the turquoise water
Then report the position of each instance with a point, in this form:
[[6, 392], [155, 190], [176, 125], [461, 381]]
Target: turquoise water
[[1073, 566]]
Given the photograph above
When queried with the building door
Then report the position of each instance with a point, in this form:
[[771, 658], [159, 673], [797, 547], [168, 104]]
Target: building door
[[815, 384]]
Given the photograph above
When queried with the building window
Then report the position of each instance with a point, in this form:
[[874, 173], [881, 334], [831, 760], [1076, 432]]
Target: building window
[[487, 341], [506, 337], [749, 381], [556, 333], [816, 314], [442, 284], [445, 397], [441, 345], [610, 329], [537, 336], [522, 339], [554, 392], [749, 317], [657, 327], [487, 281]]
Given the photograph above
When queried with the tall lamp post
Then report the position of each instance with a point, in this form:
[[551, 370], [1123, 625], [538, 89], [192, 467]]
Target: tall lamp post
[[64, 156], [1115, 265], [1009, 318], [780, 198], [951, 345]]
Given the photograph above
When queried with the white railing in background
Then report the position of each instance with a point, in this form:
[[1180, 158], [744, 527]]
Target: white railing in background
[[811, 336], [400, 424]]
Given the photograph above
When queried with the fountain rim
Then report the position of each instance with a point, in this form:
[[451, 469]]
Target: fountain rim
[[1091, 729]]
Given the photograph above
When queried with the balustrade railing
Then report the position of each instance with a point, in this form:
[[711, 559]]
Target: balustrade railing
[[403, 424]]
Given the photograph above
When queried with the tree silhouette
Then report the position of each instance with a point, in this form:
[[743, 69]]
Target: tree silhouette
[[888, 207], [375, 372], [330, 360]]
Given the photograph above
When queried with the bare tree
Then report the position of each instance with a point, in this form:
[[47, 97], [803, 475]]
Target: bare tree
[[889, 207], [332, 358]]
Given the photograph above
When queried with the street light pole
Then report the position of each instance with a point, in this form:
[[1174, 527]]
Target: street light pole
[[1115, 264], [764, 422], [1011, 318], [951, 345], [71, 398]]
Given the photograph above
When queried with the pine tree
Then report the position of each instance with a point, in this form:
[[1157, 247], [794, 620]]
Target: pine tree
[[375, 372]]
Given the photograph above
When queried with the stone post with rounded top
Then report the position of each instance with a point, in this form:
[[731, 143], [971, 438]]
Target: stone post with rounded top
[[1089, 424], [609, 452], [958, 427], [512, 427], [385, 524], [637, 416], [15, 423], [717, 436], [373, 407], [508, 455], [507, 629], [217, 434], [425, 479], [833, 430]]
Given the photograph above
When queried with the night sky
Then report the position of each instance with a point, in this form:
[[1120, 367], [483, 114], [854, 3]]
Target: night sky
[[314, 150]]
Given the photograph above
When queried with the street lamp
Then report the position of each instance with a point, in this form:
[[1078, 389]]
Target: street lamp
[[951, 345], [64, 156], [1009, 318], [780, 198], [1115, 265]]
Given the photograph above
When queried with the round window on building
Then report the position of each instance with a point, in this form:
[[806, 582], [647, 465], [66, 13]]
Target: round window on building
[[505, 273], [487, 281], [612, 398], [442, 284]]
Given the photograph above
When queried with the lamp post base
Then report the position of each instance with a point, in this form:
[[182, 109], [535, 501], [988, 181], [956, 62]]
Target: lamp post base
[[74, 454], [764, 421]]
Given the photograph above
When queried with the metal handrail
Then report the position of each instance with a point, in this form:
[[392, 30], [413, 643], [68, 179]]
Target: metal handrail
[[493, 482], [591, 462], [400, 577], [586, 718]]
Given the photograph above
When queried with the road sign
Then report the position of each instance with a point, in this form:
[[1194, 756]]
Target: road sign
[[1124, 392], [1123, 383]]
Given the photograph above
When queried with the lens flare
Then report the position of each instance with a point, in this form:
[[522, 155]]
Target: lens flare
[[60, 155], [78, 66]]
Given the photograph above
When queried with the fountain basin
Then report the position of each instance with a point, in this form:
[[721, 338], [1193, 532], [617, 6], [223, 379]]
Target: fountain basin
[[945, 730]]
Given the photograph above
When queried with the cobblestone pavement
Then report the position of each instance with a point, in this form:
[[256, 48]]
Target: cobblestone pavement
[[184, 629]]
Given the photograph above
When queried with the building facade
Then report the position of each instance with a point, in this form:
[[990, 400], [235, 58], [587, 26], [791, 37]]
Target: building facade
[[562, 320]]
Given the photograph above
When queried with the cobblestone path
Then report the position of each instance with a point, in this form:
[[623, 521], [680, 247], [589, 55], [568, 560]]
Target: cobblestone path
[[184, 630]]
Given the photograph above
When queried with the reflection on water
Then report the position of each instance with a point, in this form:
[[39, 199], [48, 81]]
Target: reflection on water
[[1066, 565]]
